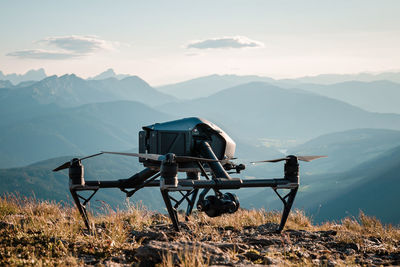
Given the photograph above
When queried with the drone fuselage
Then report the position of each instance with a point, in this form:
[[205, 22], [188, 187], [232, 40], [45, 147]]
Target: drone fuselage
[[185, 137]]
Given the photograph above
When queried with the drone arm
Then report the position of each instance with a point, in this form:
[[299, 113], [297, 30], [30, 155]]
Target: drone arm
[[207, 152], [136, 180]]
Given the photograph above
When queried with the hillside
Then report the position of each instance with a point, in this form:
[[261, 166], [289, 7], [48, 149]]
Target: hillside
[[38, 180], [259, 110], [369, 187], [80, 130], [42, 233], [346, 149]]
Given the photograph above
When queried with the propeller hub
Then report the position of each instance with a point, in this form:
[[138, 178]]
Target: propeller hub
[[170, 158]]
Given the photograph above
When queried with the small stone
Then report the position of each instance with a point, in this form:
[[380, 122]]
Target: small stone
[[349, 251], [253, 255]]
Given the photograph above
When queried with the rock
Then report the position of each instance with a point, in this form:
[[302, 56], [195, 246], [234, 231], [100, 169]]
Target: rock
[[271, 261], [262, 241], [354, 246], [146, 236], [6, 225], [155, 250], [240, 248], [253, 255], [350, 251]]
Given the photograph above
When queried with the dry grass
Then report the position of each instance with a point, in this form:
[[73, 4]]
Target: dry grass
[[36, 232]]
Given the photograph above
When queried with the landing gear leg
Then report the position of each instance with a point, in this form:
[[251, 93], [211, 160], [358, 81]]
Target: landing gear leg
[[287, 205], [171, 210], [191, 204]]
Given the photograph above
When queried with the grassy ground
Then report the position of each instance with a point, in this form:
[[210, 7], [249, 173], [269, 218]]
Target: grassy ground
[[47, 233]]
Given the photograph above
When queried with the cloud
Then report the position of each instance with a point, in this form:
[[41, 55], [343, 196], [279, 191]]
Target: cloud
[[42, 54], [79, 44], [72, 46], [225, 43]]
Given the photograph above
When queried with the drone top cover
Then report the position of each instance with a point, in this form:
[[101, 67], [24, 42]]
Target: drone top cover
[[181, 137]]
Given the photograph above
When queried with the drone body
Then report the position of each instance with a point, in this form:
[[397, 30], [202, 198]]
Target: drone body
[[198, 148]]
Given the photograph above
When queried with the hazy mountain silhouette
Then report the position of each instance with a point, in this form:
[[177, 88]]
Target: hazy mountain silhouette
[[346, 149], [339, 78], [259, 110], [80, 130], [377, 96], [110, 73], [208, 85], [6, 84], [31, 75]]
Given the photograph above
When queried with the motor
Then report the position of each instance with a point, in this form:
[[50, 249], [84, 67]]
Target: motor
[[215, 206], [76, 172]]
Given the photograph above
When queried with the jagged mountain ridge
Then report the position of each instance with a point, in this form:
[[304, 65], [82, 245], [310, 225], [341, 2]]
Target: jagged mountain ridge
[[31, 75], [70, 91]]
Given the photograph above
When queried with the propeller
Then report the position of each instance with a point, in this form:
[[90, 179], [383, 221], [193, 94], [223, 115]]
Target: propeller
[[67, 164], [302, 158], [157, 157]]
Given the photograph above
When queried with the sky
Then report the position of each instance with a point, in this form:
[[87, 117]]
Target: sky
[[170, 41]]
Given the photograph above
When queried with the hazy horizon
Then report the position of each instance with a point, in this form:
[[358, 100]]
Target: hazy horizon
[[166, 42]]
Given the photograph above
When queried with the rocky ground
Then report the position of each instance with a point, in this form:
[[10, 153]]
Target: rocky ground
[[260, 245], [41, 233]]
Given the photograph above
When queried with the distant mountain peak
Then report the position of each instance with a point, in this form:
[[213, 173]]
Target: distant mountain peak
[[31, 75], [109, 73]]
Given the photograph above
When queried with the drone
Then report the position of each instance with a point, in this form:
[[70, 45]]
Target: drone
[[205, 153]]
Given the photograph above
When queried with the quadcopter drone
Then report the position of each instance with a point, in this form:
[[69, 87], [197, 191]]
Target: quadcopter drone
[[198, 148]]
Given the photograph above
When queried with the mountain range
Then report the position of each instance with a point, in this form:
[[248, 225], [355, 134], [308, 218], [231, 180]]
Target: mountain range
[[72, 91], [260, 110], [376, 96]]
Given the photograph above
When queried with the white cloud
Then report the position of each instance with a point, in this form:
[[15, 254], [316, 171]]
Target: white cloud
[[42, 54], [225, 43], [71, 46], [79, 44]]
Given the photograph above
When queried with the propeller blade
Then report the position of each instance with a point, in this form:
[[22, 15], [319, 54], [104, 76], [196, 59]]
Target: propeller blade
[[62, 167], [302, 158], [67, 164], [155, 157], [94, 155], [309, 158], [271, 160]]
